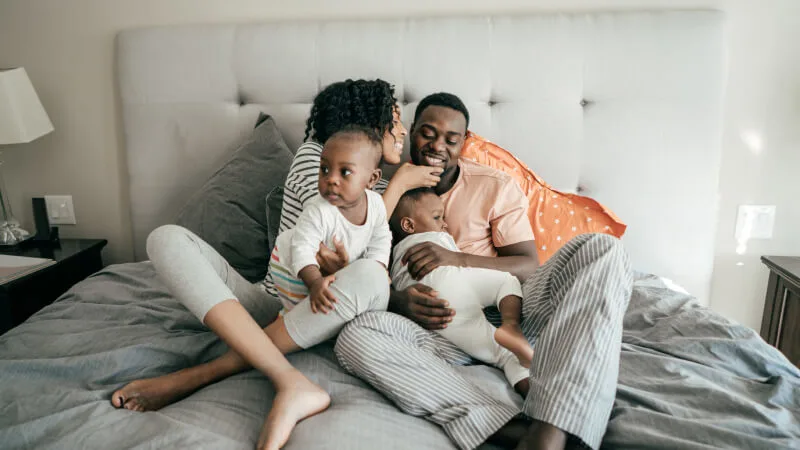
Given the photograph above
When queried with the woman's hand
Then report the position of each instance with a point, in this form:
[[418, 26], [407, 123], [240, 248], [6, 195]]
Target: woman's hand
[[411, 176], [332, 261]]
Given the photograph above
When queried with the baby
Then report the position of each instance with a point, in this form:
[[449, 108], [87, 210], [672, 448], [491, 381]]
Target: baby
[[419, 217], [345, 208]]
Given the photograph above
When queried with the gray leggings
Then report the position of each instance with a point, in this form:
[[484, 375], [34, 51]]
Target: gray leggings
[[200, 279]]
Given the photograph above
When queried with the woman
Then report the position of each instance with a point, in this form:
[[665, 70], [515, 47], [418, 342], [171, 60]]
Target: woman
[[232, 307], [372, 104]]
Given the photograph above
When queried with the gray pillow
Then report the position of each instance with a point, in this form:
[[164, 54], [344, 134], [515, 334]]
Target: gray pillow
[[229, 211], [274, 207]]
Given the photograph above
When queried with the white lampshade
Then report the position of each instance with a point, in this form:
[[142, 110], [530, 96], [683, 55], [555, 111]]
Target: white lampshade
[[22, 117]]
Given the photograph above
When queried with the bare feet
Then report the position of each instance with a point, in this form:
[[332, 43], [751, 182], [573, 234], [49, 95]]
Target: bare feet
[[293, 403], [543, 436], [511, 337], [511, 433], [152, 393]]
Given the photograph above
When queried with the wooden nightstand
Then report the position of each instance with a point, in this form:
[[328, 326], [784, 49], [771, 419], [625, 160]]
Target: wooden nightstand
[[76, 259], [780, 325]]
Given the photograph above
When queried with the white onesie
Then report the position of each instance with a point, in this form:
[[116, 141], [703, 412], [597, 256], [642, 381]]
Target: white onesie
[[321, 222], [468, 290]]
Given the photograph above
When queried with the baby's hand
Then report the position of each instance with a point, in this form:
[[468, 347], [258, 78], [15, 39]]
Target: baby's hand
[[321, 298]]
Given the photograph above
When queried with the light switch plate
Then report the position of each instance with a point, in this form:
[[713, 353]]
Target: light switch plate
[[60, 210], [755, 222]]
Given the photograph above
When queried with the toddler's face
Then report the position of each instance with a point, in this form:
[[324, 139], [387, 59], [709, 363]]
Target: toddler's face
[[428, 214], [346, 169]]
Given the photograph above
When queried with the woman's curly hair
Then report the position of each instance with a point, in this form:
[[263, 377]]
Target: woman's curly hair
[[368, 103]]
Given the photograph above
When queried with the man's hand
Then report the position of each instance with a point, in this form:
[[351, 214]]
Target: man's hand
[[331, 261], [423, 258], [321, 298], [421, 304]]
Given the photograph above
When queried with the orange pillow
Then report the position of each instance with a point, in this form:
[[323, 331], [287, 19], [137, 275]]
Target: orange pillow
[[556, 217]]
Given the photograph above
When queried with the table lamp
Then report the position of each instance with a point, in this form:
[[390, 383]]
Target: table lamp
[[22, 120]]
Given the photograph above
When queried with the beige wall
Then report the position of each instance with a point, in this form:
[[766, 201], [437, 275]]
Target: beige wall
[[67, 47]]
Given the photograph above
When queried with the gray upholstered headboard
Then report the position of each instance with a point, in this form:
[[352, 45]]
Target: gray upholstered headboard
[[627, 106]]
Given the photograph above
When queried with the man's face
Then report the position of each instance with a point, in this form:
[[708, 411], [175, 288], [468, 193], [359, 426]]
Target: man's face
[[437, 137]]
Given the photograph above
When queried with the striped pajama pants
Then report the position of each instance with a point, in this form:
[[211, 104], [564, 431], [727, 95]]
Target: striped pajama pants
[[572, 310]]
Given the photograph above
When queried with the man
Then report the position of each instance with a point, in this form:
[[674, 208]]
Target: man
[[572, 309]]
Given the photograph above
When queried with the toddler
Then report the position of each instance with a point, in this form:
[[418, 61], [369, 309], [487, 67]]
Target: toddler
[[345, 208]]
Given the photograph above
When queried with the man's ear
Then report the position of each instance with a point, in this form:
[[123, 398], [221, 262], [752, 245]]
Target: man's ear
[[376, 175], [407, 225]]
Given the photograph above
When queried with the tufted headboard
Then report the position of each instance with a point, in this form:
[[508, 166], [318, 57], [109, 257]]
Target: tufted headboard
[[623, 107]]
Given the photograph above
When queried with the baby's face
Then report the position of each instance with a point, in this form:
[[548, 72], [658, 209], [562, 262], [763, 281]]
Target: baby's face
[[428, 214], [346, 169]]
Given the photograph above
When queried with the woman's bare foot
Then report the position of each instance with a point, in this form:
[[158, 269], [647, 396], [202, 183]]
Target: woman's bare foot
[[511, 337], [152, 394], [296, 401]]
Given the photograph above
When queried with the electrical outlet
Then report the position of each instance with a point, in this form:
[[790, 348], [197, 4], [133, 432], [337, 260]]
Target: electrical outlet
[[755, 222], [60, 210]]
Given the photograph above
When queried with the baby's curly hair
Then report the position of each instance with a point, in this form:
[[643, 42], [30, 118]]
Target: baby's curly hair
[[368, 103]]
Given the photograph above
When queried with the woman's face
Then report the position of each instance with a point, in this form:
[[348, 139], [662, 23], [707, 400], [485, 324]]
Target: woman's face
[[393, 140]]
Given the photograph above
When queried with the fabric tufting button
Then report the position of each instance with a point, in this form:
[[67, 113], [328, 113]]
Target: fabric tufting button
[[405, 102], [580, 189], [585, 102], [492, 102]]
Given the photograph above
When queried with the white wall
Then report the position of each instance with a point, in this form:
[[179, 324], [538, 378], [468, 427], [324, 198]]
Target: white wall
[[67, 47]]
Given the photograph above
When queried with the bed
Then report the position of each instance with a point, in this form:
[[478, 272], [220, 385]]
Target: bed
[[623, 107]]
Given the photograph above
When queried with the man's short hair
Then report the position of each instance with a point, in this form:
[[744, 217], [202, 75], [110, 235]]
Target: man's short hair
[[442, 99]]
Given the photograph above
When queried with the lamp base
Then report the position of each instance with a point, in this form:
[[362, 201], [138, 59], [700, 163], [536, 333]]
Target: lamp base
[[11, 233], [19, 246]]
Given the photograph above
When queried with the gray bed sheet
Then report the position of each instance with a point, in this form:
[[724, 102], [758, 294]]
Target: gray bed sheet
[[688, 379]]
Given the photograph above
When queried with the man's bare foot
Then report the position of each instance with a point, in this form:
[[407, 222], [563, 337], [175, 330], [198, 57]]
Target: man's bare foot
[[543, 436], [152, 394], [292, 404], [511, 433], [511, 337]]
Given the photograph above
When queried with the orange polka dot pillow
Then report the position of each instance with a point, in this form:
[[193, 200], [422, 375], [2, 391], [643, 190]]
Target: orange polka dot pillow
[[556, 217]]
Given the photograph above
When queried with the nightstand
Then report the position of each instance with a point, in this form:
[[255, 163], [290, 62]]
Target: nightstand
[[780, 325], [75, 259]]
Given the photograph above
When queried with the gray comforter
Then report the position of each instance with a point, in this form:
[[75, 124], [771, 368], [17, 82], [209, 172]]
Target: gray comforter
[[688, 379]]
